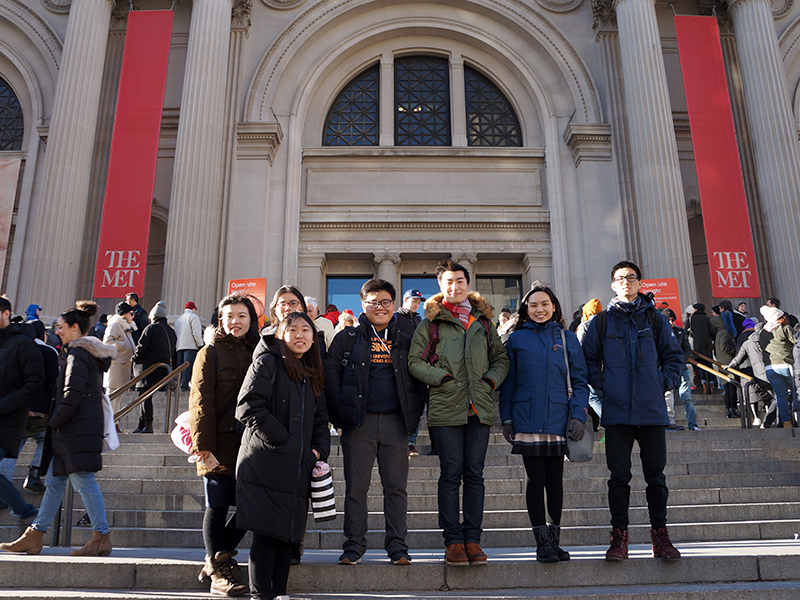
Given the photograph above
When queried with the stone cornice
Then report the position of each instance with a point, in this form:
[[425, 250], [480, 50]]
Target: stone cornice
[[345, 226], [258, 141], [588, 142]]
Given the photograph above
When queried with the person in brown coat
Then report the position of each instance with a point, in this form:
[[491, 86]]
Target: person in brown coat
[[217, 375]]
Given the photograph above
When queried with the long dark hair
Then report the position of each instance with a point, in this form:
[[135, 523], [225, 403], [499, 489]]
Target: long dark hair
[[311, 364], [538, 286], [285, 289], [251, 337], [80, 315]]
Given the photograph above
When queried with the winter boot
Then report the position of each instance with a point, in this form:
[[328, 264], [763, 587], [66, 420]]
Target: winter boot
[[99, 545], [32, 482], [145, 426], [29, 542], [545, 550], [555, 534], [223, 581], [662, 546], [618, 549], [205, 573]]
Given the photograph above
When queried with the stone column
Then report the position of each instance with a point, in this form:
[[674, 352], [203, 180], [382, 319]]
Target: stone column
[[68, 160], [388, 268], [664, 233], [467, 261], [192, 255], [774, 140]]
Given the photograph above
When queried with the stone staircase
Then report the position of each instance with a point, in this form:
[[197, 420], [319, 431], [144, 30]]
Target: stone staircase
[[734, 512]]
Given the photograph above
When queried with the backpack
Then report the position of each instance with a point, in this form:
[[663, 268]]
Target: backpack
[[430, 356], [602, 326]]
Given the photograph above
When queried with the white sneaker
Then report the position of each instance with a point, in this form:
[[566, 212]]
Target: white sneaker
[[756, 422], [282, 598], [333, 432]]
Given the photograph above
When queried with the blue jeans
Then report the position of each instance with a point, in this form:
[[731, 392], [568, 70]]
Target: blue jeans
[[85, 484], [685, 390], [462, 453], [782, 382], [9, 494], [596, 401], [7, 465], [186, 376]]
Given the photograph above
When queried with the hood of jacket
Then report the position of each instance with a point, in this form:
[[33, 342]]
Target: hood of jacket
[[434, 307], [94, 347], [641, 304], [122, 322]]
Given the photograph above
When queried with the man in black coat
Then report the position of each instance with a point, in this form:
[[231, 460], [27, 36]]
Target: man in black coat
[[372, 398], [139, 315], [21, 380]]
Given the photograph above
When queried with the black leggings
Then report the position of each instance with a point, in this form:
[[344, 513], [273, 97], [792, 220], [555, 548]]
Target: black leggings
[[544, 473], [270, 559], [220, 532]]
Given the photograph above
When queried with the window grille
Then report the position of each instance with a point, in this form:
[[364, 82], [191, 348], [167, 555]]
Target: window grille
[[422, 101], [491, 120], [11, 122], [353, 118]]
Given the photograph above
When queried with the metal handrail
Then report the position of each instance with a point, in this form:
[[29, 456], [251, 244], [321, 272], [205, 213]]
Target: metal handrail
[[744, 398], [168, 379], [117, 393], [724, 367]]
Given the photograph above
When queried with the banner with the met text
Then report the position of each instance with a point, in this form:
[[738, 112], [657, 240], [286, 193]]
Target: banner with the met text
[[125, 228], [729, 239]]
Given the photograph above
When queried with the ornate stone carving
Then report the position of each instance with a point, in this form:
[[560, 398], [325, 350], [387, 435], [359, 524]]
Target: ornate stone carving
[[465, 257], [57, 6], [358, 268], [722, 12], [588, 142], [258, 141], [406, 225], [119, 14], [559, 6], [387, 258], [240, 13], [777, 13], [282, 4], [605, 17]]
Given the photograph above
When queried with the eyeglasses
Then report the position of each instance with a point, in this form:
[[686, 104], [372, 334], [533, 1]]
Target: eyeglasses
[[292, 304], [373, 304], [632, 277]]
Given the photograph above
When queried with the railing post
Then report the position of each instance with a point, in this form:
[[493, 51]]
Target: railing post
[[67, 503]]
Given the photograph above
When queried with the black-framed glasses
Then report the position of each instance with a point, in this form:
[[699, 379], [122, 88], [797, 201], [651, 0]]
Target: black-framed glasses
[[373, 304], [632, 277]]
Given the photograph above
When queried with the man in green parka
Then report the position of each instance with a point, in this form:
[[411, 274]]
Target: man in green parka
[[457, 352]]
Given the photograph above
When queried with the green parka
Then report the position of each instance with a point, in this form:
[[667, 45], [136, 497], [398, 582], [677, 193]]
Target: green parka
[[466, 355]]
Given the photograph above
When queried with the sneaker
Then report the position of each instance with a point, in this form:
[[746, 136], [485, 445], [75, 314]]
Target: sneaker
[[694, 428], [334, 431], [756, 422], [412, 450], [675, 427], [350, 557], [400, 557]]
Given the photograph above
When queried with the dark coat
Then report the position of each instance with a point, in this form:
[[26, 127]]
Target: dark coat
[[407, 321], [76, 425], [283, 423], [141, 320], [724, 346], [628, 372], [703, 333], [157, 345], [43, 403], [217, 376], [21, 381], [534, 394], [683, 341], [345, 385]]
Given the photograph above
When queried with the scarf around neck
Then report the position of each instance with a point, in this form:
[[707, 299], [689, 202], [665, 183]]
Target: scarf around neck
[[462, 311]]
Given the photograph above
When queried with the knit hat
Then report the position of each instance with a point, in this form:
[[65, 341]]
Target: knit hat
[[592, 307], [191, 305], [122, 308], [159, 310], [771, 313], [689, 310], [748, 324]]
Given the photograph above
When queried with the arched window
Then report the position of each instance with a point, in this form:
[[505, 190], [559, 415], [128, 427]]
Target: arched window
[[11, 124], [491, 120], [353, 118], [422, 101]]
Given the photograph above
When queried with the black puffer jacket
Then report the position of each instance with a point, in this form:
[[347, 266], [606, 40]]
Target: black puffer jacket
[[283, 423], [345, 384], [76, 425], [157, 345], [21, 381]]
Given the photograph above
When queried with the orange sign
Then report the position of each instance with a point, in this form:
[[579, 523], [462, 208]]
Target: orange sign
[[665, 295], [256, 289]]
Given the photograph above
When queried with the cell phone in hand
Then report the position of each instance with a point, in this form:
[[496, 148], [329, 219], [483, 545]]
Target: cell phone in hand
[[211, 462]]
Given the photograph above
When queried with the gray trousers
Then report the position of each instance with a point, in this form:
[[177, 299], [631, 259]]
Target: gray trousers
[[381, 437]]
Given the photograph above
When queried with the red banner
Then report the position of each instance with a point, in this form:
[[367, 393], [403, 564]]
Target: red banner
[[665, 295], [729, 239], [256, 289], [125, 228]]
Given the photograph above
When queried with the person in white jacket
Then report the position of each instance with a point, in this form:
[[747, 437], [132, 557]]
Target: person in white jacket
[[190, 339], [119, 334]]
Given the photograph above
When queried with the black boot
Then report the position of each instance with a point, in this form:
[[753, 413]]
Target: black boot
[[555, 534], [545, 551], [145, 426], [32, 482]]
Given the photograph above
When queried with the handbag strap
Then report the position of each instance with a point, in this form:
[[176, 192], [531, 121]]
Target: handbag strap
[[566, 361]]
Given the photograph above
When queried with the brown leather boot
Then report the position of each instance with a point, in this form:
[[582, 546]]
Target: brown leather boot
[[456, 556], [223, 581], [30, 542], [99, 545], [475, 554], [662, 546], [618, 549]]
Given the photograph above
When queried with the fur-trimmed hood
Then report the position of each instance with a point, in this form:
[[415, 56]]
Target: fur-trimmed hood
[[94, 347], [434, 306], [209, 335], [122, 322]]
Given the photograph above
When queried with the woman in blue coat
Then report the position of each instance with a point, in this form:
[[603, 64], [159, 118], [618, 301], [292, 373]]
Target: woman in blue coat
[[537, 411]]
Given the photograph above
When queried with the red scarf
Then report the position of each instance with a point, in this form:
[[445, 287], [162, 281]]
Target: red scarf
[[462, 311]]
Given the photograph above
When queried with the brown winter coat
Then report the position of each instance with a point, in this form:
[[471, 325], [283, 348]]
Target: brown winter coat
[[217, 375]]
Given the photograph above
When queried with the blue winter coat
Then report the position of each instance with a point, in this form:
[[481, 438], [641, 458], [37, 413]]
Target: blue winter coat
[[628, 373], [534, 394]]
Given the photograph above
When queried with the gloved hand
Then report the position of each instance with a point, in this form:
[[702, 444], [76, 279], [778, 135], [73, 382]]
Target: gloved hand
[[508, 432], [576, 430]]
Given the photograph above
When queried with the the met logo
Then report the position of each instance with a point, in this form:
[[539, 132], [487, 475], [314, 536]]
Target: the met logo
[[732, 270], [122, 267]]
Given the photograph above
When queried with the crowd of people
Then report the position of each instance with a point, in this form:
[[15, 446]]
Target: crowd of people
[[264, 402]]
